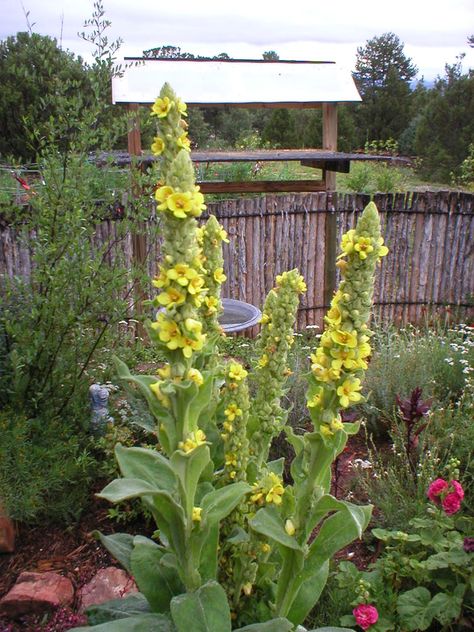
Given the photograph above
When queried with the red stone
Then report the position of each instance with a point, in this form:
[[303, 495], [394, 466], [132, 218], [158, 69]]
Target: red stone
[[7, 534], [35, 593], [109, 583]]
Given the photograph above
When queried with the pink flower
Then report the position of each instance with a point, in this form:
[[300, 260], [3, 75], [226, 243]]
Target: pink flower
[[451, 503], [456, 485], [436, 488], [365, 615]]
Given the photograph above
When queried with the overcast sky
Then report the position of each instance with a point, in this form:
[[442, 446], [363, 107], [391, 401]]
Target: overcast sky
[[434, 31]]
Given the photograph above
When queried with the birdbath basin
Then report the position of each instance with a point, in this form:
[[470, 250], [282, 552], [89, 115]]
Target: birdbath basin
[[238, 315]]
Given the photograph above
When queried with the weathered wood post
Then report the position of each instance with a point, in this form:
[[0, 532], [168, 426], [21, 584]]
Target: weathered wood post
[[330, 245]]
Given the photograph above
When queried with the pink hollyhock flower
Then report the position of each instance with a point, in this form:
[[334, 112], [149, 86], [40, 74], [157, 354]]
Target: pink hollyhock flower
[[451, 503], [456, 485], [365, 615], [436, 488]]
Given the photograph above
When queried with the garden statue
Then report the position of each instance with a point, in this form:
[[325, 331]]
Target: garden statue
[[99, 396]]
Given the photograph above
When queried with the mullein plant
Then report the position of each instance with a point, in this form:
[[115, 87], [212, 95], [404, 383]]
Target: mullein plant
[[222, 511]]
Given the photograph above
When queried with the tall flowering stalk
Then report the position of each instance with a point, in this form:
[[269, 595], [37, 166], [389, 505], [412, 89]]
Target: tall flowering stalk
[[275, 340]]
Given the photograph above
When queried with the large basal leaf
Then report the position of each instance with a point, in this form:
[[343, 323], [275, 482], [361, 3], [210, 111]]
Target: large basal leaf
[[218, 504], [159, 583], [148, 465], [446, 607], [308, 594], [268, 522], [205, 610], [415, 609], [274, 625], [119, 545], [141, 623], [135, 604]]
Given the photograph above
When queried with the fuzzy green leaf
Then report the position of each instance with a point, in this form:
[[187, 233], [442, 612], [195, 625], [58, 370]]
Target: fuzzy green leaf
[[141, 623], [189, 466], [149, 465], [134, 604], [275, 625], [415, 609], [119, 545], [125, 488], [159, 583], [268, 522], [218, 504], [205, 610], [309, 594]]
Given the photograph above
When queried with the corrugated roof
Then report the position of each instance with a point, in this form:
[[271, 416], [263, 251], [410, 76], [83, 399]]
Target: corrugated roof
[[235, 82]]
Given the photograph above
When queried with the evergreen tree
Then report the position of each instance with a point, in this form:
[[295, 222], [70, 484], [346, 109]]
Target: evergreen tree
[[383, 74]]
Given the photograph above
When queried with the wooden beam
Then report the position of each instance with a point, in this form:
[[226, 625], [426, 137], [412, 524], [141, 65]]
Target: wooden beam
[[262, 186], [330, 139], [287, 105], [341, 166]]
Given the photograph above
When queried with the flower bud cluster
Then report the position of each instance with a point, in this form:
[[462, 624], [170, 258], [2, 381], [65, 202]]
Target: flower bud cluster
[[235, 398], [180, 280], [273, 345], [210, 237], [338, 364]]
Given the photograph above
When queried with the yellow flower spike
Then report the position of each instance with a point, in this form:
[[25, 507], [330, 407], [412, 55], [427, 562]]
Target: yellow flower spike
[[219, 275], [168, 331], [195, 376], [348, 392], [180, 204], [171, 297], [196, 516], [161, 195], [363, 246], [161, 107], [344, 338], [290, 527], [158, 146], [237, 372], [183, 142], [232, 411]]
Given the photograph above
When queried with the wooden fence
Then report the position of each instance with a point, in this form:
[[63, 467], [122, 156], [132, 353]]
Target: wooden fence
[[430, 235]]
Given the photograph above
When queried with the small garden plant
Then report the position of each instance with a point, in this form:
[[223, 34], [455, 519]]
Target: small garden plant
[[235, 548]]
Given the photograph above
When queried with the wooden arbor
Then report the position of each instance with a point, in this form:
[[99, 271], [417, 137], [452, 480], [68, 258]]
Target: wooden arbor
[[247, 83]]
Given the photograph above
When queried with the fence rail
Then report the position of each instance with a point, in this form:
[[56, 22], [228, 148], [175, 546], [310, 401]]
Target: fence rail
[[430, 236]]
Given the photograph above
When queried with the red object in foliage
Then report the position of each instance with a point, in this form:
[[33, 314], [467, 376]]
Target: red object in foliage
[[365, 615], [23, 182]]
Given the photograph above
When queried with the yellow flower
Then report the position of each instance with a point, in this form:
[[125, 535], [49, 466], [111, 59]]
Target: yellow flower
[[193, 325], [263, 361], [381, 249], [184, 142], [161, 280], [316, 399], [334, 316], [237, 372], [196, 517], [190, 344], [347, 243], [343, 358], [345, 338], [197, 203], [363, 246], [228, 427], [320, 358], [161, 107], [348, 391], [230, 459], [195, 376], [290, 527], [196, 285], [336, 424], [181, 107], [232, 411], [168, 331], [326, 430], [301, 285], [180, 204], [182, 273], [266, 548], [193, 440], [222, 234], [247, 589], [212, 303], [323, 374], [276, 491], [158, 146], [161, 195], [219, 275], [171, 297], [155, 387], [265, 319], [165, 371]]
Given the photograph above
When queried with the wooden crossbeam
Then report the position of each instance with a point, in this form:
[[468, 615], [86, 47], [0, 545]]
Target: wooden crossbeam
[[262, 186]]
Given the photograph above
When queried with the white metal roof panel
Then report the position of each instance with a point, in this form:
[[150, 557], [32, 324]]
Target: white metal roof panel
[[235, 82]]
